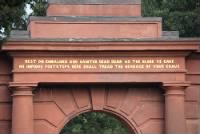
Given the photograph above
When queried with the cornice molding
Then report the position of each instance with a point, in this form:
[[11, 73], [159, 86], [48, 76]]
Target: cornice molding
[[145, 45]]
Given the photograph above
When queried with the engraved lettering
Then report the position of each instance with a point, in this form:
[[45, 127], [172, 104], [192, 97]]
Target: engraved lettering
[[97, 64]]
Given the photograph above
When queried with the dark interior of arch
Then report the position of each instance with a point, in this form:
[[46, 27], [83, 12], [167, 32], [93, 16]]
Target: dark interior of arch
[[95, 123]]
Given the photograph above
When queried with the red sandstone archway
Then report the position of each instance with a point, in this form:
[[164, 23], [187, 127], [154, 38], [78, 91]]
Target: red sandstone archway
[[68, 35], [141, 109]]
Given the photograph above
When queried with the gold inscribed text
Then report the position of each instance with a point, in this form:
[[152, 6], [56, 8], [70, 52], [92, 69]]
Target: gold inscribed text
[[97, 64]]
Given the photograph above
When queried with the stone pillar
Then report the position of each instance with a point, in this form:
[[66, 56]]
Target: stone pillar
[[22, 110], [174, 110]]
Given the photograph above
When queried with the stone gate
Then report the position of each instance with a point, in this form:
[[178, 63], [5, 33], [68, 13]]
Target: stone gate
[[99, 56]]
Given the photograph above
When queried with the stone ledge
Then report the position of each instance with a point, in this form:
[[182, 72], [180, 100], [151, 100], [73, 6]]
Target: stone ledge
[[19, 34], [95, 2], [26, 38], [170, 34], [96, 18]]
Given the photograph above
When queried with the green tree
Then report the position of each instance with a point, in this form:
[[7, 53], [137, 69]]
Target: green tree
[[12, 16], [179, 15], [39, 7], [95, 123]]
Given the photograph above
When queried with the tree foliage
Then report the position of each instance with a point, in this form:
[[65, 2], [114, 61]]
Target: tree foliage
[[12, 15], [178, 15], [39, 7], [95, 123]]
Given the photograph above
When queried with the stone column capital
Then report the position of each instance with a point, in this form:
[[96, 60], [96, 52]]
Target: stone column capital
[[177, 91], [175, 88], [177, 84], [22, 89], [19, 84]]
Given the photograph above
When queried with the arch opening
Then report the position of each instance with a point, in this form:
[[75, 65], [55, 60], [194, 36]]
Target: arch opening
[[96, 122]]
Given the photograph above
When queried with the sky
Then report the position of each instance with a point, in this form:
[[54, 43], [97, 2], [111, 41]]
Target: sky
[[28, 9]]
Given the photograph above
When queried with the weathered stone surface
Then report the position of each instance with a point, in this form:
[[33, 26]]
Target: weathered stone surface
[[95, 27]]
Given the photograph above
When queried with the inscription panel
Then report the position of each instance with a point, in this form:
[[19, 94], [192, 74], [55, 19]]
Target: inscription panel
[[98, 64]]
